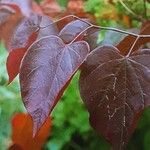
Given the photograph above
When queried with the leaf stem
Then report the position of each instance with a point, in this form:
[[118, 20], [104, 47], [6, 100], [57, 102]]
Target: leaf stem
[[131, 49], [130, 11], [145, 9], [63, 18], [91, 26]]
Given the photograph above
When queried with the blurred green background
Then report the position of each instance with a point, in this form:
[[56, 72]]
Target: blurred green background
[[71, 129]]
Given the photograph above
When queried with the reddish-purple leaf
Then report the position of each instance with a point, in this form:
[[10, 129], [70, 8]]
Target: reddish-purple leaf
[[45, 71], [127, 42], [63, 22], [91, 36], [72, 29], [5, 12], [23, 31], [25, 34], [15, 57], [115, 90], [25, 6], [9, 19]]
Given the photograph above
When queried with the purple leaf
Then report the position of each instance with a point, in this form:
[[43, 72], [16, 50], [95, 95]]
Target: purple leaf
[[115, 90], [45, 72]]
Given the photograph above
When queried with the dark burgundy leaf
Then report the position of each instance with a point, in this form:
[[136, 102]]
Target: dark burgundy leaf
[[15, 57], [15, 147], [74, 28], [115, 90], [63, 22], [71, 30], [47, 27], [24, 30], [25, 34], [45, 71], [127, 42], [26, 27], [91, 36]]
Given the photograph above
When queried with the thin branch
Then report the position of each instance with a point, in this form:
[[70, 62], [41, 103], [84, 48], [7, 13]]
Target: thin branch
[[98, 27], [91, 26], [145, 9], [63, 18], [130, 11]]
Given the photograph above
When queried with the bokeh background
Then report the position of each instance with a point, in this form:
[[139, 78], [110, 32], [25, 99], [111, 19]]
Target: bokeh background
[[70, 125]]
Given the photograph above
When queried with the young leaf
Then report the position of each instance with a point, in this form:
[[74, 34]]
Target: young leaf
[[115, 90], [45, 72], [25, 34], [22, 133]]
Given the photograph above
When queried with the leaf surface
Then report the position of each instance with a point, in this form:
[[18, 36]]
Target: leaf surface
[[9, 19], [72, 29], [45, 72], [24, 35], [115, 90]]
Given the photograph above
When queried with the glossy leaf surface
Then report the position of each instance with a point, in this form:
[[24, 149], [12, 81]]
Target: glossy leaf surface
[[45, 71]]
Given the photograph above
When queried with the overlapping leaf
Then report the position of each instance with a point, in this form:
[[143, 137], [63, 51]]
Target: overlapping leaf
[[115, 90], [24, 35], [71, 30], [9, 19], [45, 72], [74, 28], [127, 42]]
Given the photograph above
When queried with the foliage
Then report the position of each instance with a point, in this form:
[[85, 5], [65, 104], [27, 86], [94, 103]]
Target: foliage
[[22, 133], [9, 102], [108, 12], [47, 54]]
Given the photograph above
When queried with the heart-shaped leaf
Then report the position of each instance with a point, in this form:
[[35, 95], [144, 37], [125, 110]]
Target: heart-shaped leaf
[[115, 90], [24, 35], [45, 71]]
